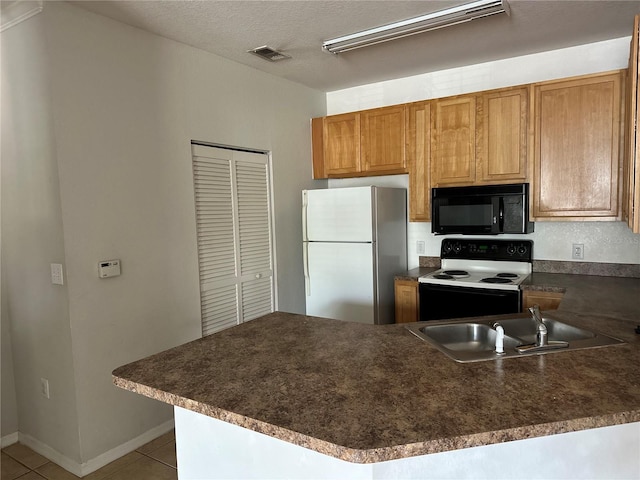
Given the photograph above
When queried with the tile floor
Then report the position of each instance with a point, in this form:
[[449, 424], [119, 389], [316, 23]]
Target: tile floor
[[154, 461]]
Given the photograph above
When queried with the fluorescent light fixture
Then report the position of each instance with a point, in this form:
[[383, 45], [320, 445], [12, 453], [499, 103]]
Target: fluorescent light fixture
[[412, 26]]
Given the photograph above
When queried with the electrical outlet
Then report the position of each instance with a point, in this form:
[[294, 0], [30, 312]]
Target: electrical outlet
[[420, 247], [577, 251], [44, 387]]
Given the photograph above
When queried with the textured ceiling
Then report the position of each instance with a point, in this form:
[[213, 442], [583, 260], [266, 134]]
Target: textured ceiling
[[298, 28]]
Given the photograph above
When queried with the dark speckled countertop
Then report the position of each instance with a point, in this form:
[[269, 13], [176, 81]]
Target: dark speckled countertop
[[414, 273], [370, 393], [616, 297]]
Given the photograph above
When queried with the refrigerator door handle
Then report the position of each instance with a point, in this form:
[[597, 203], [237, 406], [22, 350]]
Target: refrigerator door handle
[[305, 262], [304, 217]]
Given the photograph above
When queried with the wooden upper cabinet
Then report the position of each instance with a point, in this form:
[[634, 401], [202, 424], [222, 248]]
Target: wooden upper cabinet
[[453, 150], [369, 142], [631, 180], [383, 140], [317, 147], [576, 147], [501, 136], [565, 137], [418, 160], [341, 140]]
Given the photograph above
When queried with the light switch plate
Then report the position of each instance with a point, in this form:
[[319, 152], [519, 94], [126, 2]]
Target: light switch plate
[[108, 268], [420, 247], [57, 277]]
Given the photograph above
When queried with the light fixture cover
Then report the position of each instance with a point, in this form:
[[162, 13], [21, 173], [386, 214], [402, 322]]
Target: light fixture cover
[[412, 26]]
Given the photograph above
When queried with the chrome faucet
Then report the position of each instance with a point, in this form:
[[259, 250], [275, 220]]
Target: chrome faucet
[[499, 338], [542, 339], [541, 328]]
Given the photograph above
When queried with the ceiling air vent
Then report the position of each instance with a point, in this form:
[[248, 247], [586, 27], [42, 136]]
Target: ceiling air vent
[[269, 53]]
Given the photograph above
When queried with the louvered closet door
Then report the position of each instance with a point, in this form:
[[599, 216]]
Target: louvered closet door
[[233, 217]]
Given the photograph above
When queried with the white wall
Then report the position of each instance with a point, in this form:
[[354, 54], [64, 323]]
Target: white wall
[[32, 238], [537, 67], [603, 241], [124, 107], [8, 403]]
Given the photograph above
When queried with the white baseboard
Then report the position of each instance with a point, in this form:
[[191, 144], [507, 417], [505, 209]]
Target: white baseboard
[[50, 453], [127, 447], [9, 439], [82, 469]]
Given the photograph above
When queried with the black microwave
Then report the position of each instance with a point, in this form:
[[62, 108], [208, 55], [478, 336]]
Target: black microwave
[[481, 210]]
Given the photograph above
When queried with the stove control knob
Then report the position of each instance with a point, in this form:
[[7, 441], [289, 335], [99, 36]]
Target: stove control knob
[[511, 249], [457, 248], [522, 250], [446, 247]]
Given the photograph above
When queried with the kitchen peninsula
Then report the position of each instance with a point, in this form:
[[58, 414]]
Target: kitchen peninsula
[[304, 397]]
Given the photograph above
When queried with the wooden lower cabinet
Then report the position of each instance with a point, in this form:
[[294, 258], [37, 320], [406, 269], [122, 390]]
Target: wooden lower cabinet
[[545, 300], [407, 303]]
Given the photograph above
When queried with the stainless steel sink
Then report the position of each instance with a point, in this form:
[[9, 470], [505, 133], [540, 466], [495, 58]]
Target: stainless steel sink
[[525, 330], [475, 337], [475, 341]]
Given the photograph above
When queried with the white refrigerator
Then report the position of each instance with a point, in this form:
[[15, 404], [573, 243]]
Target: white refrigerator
[[354, 243]]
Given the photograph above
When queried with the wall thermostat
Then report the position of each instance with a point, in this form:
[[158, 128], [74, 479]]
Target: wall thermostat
[[109, 268]]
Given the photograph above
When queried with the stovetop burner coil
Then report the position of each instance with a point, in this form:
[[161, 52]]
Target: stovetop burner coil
[[496, 280], [507, 275], [443, 276], [456, 273]]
